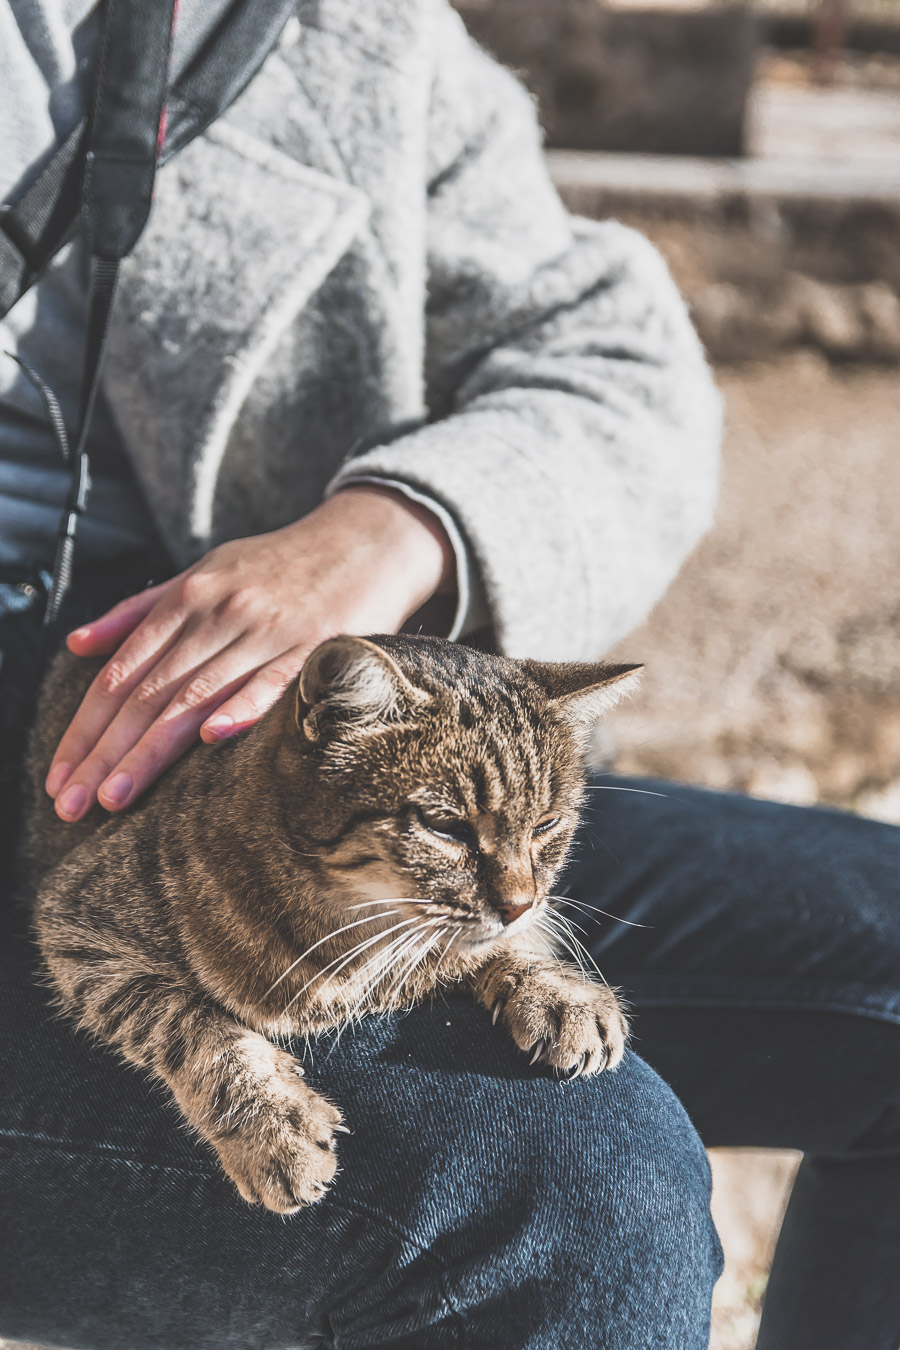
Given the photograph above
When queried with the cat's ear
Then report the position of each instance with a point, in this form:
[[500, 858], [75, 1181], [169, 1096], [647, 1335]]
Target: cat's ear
[[351, 680], [581, 692]]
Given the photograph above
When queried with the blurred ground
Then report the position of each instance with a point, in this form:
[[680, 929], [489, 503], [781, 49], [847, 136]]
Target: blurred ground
[[750, 1190], [774, 661], [773, 664]]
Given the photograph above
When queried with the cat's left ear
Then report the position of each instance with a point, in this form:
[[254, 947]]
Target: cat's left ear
[[350, 681], [582, 692]]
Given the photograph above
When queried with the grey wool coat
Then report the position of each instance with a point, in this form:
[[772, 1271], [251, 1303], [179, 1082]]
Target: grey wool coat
[[362, 269]]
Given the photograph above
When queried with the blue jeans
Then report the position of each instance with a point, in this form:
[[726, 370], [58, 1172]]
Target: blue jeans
[[480, 1203]]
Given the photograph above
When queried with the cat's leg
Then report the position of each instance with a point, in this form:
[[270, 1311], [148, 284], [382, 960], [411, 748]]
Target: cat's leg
[[554, 1014], [274, 1136]]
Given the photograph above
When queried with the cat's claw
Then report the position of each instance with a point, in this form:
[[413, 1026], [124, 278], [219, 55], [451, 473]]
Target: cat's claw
[[575, 1029], [580, 1065]]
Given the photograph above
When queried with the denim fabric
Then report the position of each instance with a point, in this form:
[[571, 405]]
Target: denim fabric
[[766, 988], [480, 1203]]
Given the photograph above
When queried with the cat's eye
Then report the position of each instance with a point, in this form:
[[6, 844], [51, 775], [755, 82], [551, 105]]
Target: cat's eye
[[545, 827], [451, 828]]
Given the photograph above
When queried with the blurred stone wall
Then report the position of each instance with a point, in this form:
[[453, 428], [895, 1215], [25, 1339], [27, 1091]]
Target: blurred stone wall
[[655, 81]]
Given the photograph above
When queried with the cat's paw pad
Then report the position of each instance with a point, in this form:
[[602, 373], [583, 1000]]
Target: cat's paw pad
[[280, 1152], [576, 1029]]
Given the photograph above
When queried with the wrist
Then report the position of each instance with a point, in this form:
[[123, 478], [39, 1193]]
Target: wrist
[[414, 552]]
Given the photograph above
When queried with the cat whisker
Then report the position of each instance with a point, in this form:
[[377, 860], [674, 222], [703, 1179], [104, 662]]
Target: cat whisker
[[565, 934], [345, 958], [375, 964], [571, 950], [302, 957], [382, 961], [453, 938], [579, 945], [395, 900], [574, 924], [608, 787], [419, 923], [583, 904], [424, 948], [397, 945], [551, 933], [385, 961]]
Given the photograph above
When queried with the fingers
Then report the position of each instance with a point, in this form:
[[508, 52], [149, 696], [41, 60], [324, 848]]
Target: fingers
[[213, 648], [166, 739], [103, 635], [170, 734], [253, 699], [129, 675], [153, 726]]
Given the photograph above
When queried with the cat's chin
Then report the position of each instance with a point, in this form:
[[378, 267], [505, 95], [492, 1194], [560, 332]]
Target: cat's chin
[[479, 942]]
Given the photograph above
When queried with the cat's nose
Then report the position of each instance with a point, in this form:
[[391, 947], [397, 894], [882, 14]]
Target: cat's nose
[[509, 911]]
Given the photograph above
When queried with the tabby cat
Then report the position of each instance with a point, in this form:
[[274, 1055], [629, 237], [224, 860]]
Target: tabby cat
[[393, 824]]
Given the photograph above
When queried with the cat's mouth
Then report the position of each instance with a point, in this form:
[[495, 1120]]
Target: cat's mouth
[[490, 929]]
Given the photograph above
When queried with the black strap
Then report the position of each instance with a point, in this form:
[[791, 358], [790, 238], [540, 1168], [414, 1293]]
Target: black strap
[[36, 226], [222, 68], [123, 140], [103, 292], [125, 126]]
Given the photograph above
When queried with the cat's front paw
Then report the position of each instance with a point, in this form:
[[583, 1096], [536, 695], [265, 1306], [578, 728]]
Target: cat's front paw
[[280, 1150], [576, 1028]]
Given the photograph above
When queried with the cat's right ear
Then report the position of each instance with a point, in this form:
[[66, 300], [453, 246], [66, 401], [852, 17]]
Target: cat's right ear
[[581, 693], [350, 681]]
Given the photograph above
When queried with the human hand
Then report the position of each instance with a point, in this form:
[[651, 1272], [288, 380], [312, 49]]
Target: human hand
[[209, 651]]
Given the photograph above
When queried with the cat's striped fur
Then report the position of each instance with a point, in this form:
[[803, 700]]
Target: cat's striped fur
[[394, 823]]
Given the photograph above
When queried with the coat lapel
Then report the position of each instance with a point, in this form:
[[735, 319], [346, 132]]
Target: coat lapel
[[240, 238]]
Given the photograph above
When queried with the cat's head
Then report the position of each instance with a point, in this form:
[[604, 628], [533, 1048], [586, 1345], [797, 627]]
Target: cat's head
[[442, 781]]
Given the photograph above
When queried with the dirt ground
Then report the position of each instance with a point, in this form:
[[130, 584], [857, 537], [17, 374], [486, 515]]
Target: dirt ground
[[773, 664]]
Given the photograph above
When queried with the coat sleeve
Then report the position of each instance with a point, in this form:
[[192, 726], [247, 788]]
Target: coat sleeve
[[574, 425]]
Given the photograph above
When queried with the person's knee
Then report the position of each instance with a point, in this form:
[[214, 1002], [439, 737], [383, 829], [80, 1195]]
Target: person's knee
[[581, 1205], [622, 1208]]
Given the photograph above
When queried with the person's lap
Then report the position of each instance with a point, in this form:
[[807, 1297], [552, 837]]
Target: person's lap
[[479, 1202]]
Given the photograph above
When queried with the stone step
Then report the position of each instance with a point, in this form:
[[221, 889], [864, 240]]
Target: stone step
[[593, 182]]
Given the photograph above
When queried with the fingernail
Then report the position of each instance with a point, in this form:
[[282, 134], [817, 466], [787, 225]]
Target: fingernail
[[72, 802], [222, 725], [118, 789], [80, 632], [56, 778]]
